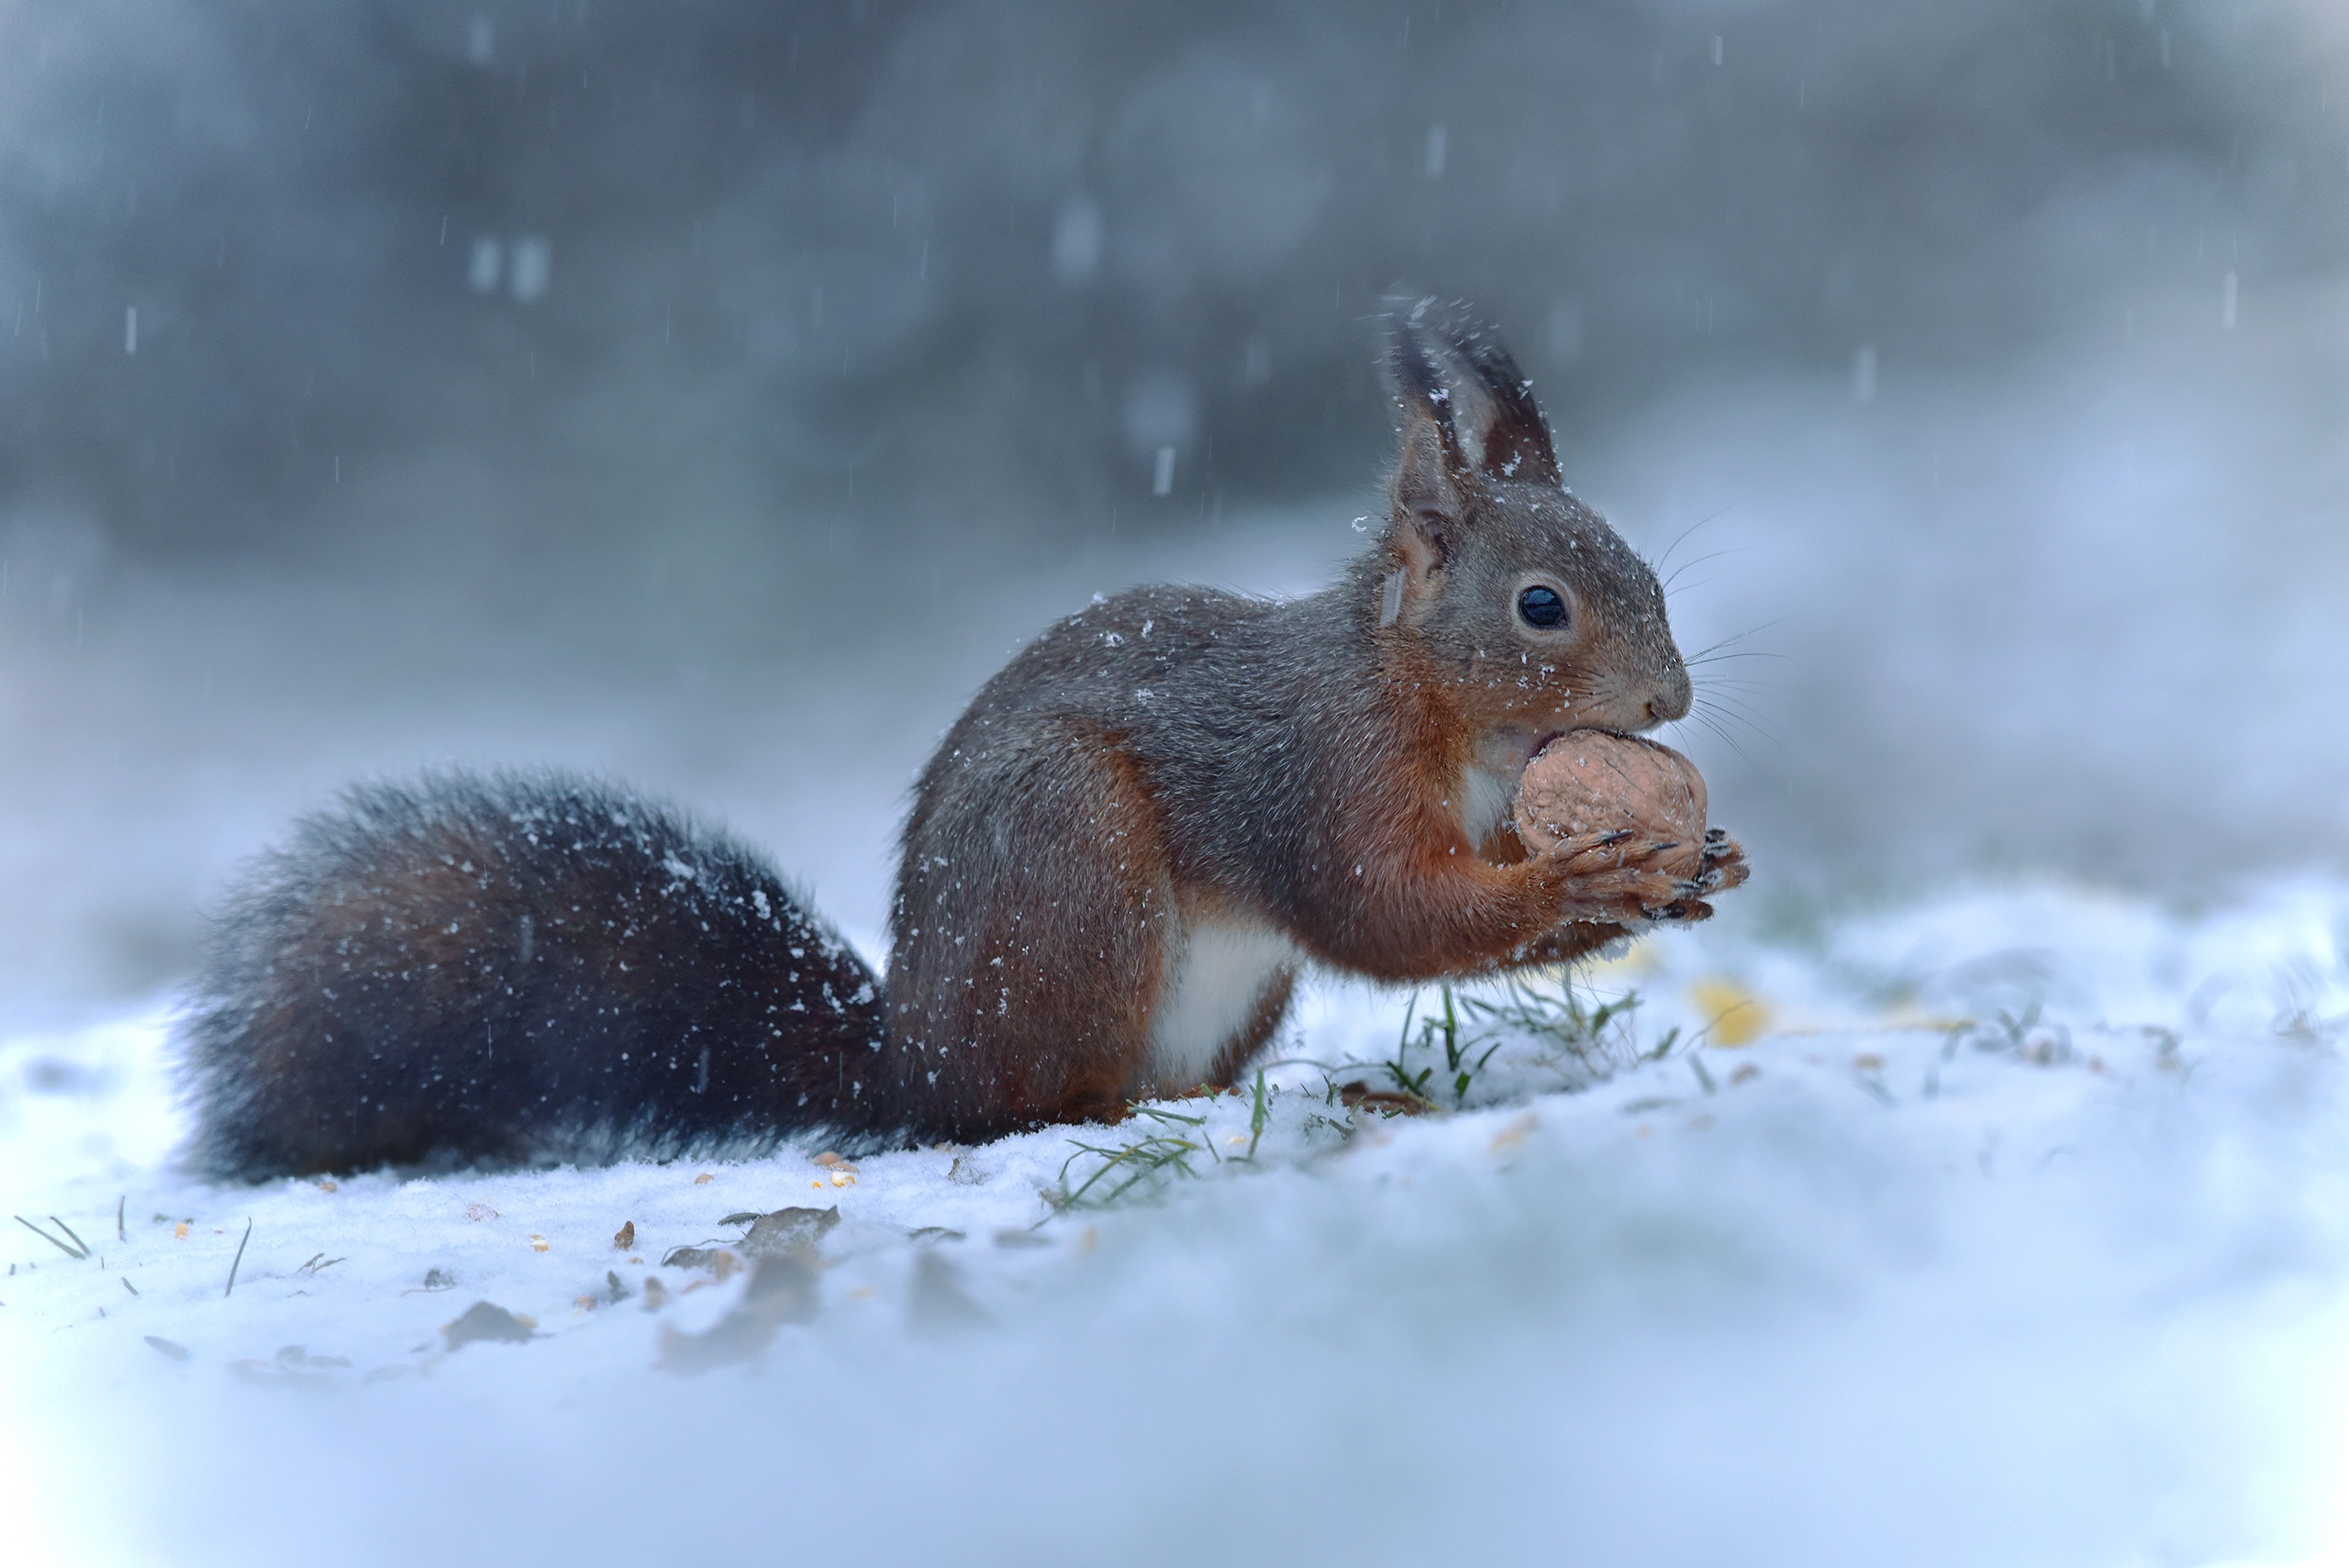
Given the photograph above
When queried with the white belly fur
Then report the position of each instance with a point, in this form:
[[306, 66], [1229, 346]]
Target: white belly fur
[[1216, 978]]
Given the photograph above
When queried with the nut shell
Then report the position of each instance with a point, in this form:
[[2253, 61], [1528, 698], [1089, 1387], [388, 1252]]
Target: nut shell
[[1593, 781]]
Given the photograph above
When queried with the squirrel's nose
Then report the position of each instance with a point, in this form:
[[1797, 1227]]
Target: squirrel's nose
[[1671, 701]]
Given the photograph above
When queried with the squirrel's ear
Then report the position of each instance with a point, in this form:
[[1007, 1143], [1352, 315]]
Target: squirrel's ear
[[1467, 415], [1451, 369], [1426, 507]]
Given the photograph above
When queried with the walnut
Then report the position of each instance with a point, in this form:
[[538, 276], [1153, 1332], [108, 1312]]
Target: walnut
[[1593, 781]]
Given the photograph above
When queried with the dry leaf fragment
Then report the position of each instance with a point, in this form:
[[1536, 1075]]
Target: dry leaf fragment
[[483, 1320], [179, 1231], [327, 1186], [1510, 1136], [1386, 1102], [717, 1259], [539, 1243], [625, 1238], [788, 1232], [1734, 1015], [939, 1304], [478, 1212], [704, 1179], [781, 1290]]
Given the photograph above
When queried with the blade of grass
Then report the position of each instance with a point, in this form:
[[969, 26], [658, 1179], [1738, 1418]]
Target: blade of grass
[[52, 1240], [239, 1259]]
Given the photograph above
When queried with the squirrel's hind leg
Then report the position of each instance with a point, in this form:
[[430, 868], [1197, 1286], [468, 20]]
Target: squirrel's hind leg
[[1030, 948]]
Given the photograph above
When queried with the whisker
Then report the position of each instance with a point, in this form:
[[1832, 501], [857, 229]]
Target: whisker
[[1726, 717], [1691, 566], [1733, 640], [1724, 736], [1665, 559], [1712, 690], [1709, 695], [1718, 657]]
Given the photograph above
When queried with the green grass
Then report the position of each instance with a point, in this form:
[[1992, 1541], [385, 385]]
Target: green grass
[[1438, 1057], [1140, 1169], [1459, 1040]]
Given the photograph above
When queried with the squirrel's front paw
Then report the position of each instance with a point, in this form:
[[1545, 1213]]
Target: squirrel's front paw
[[1622, 878], [1721, 867], [1724, 864]]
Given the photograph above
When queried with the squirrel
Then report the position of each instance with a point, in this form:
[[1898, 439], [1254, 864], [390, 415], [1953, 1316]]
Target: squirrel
[[1114, 867]]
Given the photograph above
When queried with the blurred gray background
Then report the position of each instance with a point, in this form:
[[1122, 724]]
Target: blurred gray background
[[713, 394]]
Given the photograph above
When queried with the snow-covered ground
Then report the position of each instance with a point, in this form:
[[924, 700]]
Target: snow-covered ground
[[2009, 1227]]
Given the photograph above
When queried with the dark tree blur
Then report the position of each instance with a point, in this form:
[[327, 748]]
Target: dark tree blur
[[713, 393], [885, 262]]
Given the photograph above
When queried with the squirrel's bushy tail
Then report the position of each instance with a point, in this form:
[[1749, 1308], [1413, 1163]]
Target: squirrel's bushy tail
[[518, 968]]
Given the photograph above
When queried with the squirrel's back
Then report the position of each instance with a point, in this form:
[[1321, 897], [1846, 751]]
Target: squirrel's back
[[518, 968]]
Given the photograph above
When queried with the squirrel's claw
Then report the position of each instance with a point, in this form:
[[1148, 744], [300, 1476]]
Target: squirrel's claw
[[1723, 866], [1619, 878]]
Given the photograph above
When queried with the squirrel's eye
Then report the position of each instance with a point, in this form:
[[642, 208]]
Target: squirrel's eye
[[1542, 606]]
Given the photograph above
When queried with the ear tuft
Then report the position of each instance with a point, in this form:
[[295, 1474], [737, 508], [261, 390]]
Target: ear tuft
[[1451, 371]]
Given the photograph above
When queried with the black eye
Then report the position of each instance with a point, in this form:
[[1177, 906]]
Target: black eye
[[1542, 606]]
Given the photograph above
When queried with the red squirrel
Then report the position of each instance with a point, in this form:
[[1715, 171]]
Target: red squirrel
[[1115, 866]]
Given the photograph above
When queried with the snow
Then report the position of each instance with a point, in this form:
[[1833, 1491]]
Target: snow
[[2016, 1233]]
